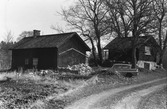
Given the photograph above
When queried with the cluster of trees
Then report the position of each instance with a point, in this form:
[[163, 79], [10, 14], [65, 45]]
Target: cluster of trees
[[6, 44], [5, 54], [94, 19]]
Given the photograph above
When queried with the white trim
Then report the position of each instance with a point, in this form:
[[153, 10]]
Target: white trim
[[70, 50], [153, 65]]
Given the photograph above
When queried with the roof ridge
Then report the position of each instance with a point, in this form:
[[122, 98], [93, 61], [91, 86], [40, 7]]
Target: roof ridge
[[66, 39], [44, 40], [47, 35]]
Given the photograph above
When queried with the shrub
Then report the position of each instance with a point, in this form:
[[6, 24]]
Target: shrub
[[82, 68]]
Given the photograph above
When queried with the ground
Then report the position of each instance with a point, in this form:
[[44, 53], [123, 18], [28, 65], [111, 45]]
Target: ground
[[128, 97], [103, 90]]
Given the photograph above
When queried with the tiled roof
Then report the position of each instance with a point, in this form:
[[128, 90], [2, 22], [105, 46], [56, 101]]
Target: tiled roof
[[125, 42], [45, 41]]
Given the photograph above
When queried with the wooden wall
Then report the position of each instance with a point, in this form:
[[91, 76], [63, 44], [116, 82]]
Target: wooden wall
[[47, 58], [144, 57], [71, 57], [75, 43]]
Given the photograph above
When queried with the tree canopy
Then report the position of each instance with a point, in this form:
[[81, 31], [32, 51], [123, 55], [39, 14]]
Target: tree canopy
[[120, 18]]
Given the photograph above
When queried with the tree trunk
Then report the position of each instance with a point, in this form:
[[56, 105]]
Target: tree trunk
[[163, 50], [98, 35], [133, 55], [99, 51], [134, 41], [94, 52], [160, 43]]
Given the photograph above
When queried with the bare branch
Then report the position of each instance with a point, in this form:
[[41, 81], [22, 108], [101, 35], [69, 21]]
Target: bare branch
[[8, 36]]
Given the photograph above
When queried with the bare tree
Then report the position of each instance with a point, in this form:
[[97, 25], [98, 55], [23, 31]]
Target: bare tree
[[118, 17], [5, 54], [8, 37], [58, 28], [160, 9], [25, 34], [88, 17], [131, 17]]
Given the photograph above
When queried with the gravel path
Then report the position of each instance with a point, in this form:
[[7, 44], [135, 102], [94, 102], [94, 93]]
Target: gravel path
[[90, 101]]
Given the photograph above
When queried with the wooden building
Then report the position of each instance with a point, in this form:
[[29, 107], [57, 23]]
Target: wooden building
[[49, 51], [147, 51]]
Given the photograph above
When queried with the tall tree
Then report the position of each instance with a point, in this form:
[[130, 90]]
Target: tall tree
[[134, 17], [160, 9], [25, 34], [5, 54], [118, 18], [88, 17], [8, 36]]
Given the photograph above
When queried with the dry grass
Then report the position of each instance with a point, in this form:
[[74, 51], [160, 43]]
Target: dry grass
[[157, 100], [23, 90], [107, 81], [75, 88]]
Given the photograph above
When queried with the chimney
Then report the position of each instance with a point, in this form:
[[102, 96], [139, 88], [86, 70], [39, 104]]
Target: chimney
[[36, 33]]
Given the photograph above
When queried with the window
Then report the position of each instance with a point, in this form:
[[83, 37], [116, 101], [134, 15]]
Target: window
[[26, 61], [106, 53], [147, 50], [35, 61]]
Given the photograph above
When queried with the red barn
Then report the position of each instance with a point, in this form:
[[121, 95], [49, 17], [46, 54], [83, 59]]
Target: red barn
[[49, 51]]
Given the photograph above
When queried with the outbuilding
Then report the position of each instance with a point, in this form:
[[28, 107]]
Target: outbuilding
[[49, 51], [147, 51]]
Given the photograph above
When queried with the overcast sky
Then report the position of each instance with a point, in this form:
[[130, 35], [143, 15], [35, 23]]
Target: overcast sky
[[27, 15]]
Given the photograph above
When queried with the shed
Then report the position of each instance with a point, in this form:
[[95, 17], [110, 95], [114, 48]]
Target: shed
[[49, 51], [147, 51]]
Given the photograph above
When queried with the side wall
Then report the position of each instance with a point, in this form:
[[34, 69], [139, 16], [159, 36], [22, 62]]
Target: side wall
[[143, 56], [46, 58], [71, 57]]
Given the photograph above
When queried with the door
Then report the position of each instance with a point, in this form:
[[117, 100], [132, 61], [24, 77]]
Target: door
[[35, 63], [147, 66]]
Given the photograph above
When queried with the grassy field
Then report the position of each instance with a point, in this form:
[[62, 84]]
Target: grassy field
[[29, 91], [21, 92]]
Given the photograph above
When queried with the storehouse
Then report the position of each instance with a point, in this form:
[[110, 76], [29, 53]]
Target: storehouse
[[147, 51], [49, 51]]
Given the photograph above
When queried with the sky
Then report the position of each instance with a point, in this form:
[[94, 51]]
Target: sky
[[26, 15]]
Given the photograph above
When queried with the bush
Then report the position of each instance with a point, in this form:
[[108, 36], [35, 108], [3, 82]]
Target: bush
[[83, 69]]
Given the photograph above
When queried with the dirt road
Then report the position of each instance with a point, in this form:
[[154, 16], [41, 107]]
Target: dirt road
[[129, 102], [132, 101]]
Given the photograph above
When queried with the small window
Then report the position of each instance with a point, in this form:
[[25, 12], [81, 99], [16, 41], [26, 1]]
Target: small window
[[35, 61], [106, 53], [147, 50], [26, 61]]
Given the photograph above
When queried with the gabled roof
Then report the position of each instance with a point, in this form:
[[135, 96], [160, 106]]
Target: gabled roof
[[47, 41], [122, 43]]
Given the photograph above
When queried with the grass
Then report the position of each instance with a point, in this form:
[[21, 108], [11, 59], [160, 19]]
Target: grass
[[22, 91], [109, 81], [50, 92], [156, 100], [121, 95]]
